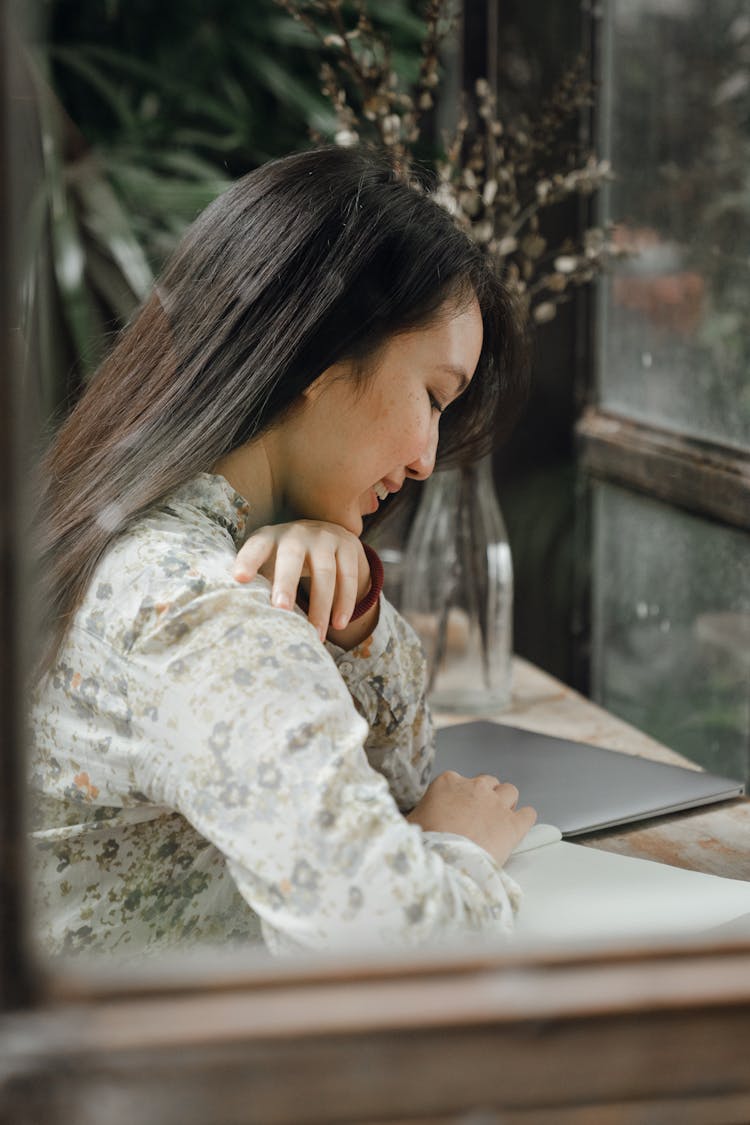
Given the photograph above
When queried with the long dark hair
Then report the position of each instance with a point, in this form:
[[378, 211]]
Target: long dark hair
[[312, 259]]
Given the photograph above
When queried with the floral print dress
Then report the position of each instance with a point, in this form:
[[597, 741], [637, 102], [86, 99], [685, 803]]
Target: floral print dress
[[205, 770]]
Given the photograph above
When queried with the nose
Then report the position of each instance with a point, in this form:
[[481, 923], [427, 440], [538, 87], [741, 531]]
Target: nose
[[422, 466]]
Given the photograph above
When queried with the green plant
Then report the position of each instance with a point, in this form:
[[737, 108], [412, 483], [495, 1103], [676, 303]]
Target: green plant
[[84, 270], [144, 116]]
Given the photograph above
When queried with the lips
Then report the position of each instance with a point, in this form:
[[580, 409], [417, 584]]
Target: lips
[[385, 486]]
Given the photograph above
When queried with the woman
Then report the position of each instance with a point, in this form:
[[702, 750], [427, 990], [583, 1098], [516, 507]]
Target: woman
[[230, 725]]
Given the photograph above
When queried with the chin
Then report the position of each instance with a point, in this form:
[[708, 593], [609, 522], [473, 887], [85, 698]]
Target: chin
[[350, 520]]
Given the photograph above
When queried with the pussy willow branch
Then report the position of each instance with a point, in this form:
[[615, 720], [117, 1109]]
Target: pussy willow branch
[[495, 177]]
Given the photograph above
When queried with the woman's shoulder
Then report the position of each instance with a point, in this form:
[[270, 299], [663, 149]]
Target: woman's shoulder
[[178, 551]]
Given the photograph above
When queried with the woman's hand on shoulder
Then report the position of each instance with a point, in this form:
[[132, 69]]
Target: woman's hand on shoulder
[[482, 808], [327, 559]]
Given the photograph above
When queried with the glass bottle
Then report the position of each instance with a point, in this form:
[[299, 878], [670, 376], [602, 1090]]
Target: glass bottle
[[458, 590]]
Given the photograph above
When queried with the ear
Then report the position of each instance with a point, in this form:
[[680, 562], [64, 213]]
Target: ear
[[314, 390]]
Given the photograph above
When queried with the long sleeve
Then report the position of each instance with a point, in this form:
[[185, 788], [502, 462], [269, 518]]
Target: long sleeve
[[265, 758], [385, 676], [204, 770]]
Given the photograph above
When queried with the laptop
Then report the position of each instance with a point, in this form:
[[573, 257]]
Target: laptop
[[577, 787]]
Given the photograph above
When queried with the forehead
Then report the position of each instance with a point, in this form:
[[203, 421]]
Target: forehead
[[450, 344]]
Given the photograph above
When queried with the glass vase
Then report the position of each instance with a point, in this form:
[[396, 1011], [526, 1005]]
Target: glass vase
[[458, 591]]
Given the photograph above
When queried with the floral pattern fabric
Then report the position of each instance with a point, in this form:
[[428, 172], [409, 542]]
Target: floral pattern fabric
[[205, 770]]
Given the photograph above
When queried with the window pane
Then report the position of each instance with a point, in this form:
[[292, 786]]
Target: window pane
[[671, 629], [675, 341]]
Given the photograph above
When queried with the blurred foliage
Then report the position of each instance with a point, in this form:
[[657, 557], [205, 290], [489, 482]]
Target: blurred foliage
[[145, 113], [236, 83], [177, 101]]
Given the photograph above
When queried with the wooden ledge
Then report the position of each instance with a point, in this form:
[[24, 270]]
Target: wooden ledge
[[699, 476]]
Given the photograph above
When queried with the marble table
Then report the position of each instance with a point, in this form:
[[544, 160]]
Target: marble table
[[714, 839]]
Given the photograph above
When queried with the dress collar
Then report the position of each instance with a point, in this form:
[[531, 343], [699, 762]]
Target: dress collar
[[213, 495]]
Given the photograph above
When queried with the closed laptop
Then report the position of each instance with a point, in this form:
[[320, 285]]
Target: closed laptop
[[577, 787]]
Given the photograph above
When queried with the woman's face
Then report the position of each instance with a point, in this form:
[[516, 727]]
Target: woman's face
[[350, 444]]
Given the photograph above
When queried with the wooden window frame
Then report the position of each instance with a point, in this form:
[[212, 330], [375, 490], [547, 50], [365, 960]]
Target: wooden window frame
[[628, 1034], [701, 477], [649, 1034], [16, 977]]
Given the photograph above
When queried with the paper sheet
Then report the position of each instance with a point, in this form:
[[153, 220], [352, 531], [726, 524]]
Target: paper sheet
[[574, 892]]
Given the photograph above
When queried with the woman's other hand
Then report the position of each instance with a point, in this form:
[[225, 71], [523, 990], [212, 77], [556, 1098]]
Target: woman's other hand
[[328, 559], [481, 808]]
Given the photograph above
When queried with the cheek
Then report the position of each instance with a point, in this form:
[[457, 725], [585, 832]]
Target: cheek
[[399, 445], [418, 435], [409, 427], [394, 431]]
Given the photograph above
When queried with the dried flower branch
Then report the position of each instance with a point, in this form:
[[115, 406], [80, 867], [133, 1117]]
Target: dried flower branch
[[496, 177], [358, 78], [496, 180]]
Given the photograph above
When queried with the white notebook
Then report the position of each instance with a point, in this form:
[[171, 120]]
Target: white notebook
[[571, 892]]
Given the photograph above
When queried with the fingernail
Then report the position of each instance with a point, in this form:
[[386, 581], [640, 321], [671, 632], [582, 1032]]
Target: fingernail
[[281, 600], [341, 621], [241, 576], [322, 635]]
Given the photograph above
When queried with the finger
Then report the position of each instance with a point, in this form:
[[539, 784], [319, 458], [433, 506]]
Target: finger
[[347, 581], [524, 819], [290, 560], [488, 779], [322, 588], [252, 555], [449, 775], [508, 794]]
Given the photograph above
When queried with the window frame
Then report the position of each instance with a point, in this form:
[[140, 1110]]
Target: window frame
[[429, 1037], [706, 477], [16, 975], [516, 1038], [701, 477]]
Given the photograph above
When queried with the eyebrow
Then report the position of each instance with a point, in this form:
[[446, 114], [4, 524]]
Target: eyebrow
[[462, 379]]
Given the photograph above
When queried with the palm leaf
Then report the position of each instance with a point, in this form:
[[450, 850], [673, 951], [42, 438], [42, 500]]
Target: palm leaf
[[185, 93], [68, 258], [107, 223], [107, 90], [289, 90]]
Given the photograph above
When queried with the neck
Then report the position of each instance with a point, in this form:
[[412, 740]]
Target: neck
[[248, 470]]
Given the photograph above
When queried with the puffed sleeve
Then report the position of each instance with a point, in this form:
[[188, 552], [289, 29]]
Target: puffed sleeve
[[385, 675], [261, 749]]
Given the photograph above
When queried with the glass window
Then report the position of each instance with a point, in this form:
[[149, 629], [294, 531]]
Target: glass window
[[675, 317], [671, 641]]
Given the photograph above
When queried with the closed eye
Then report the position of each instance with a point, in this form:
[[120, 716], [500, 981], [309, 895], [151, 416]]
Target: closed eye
[[435, 405]]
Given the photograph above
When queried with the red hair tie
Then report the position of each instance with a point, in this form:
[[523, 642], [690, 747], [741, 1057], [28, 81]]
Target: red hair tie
[[376, 583], [372, 595]]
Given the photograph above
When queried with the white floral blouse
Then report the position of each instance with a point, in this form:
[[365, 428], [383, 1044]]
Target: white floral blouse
[[205, 770]]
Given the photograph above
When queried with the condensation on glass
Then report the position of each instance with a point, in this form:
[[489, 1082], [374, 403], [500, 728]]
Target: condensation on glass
[[671, 639], [675, 342]]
